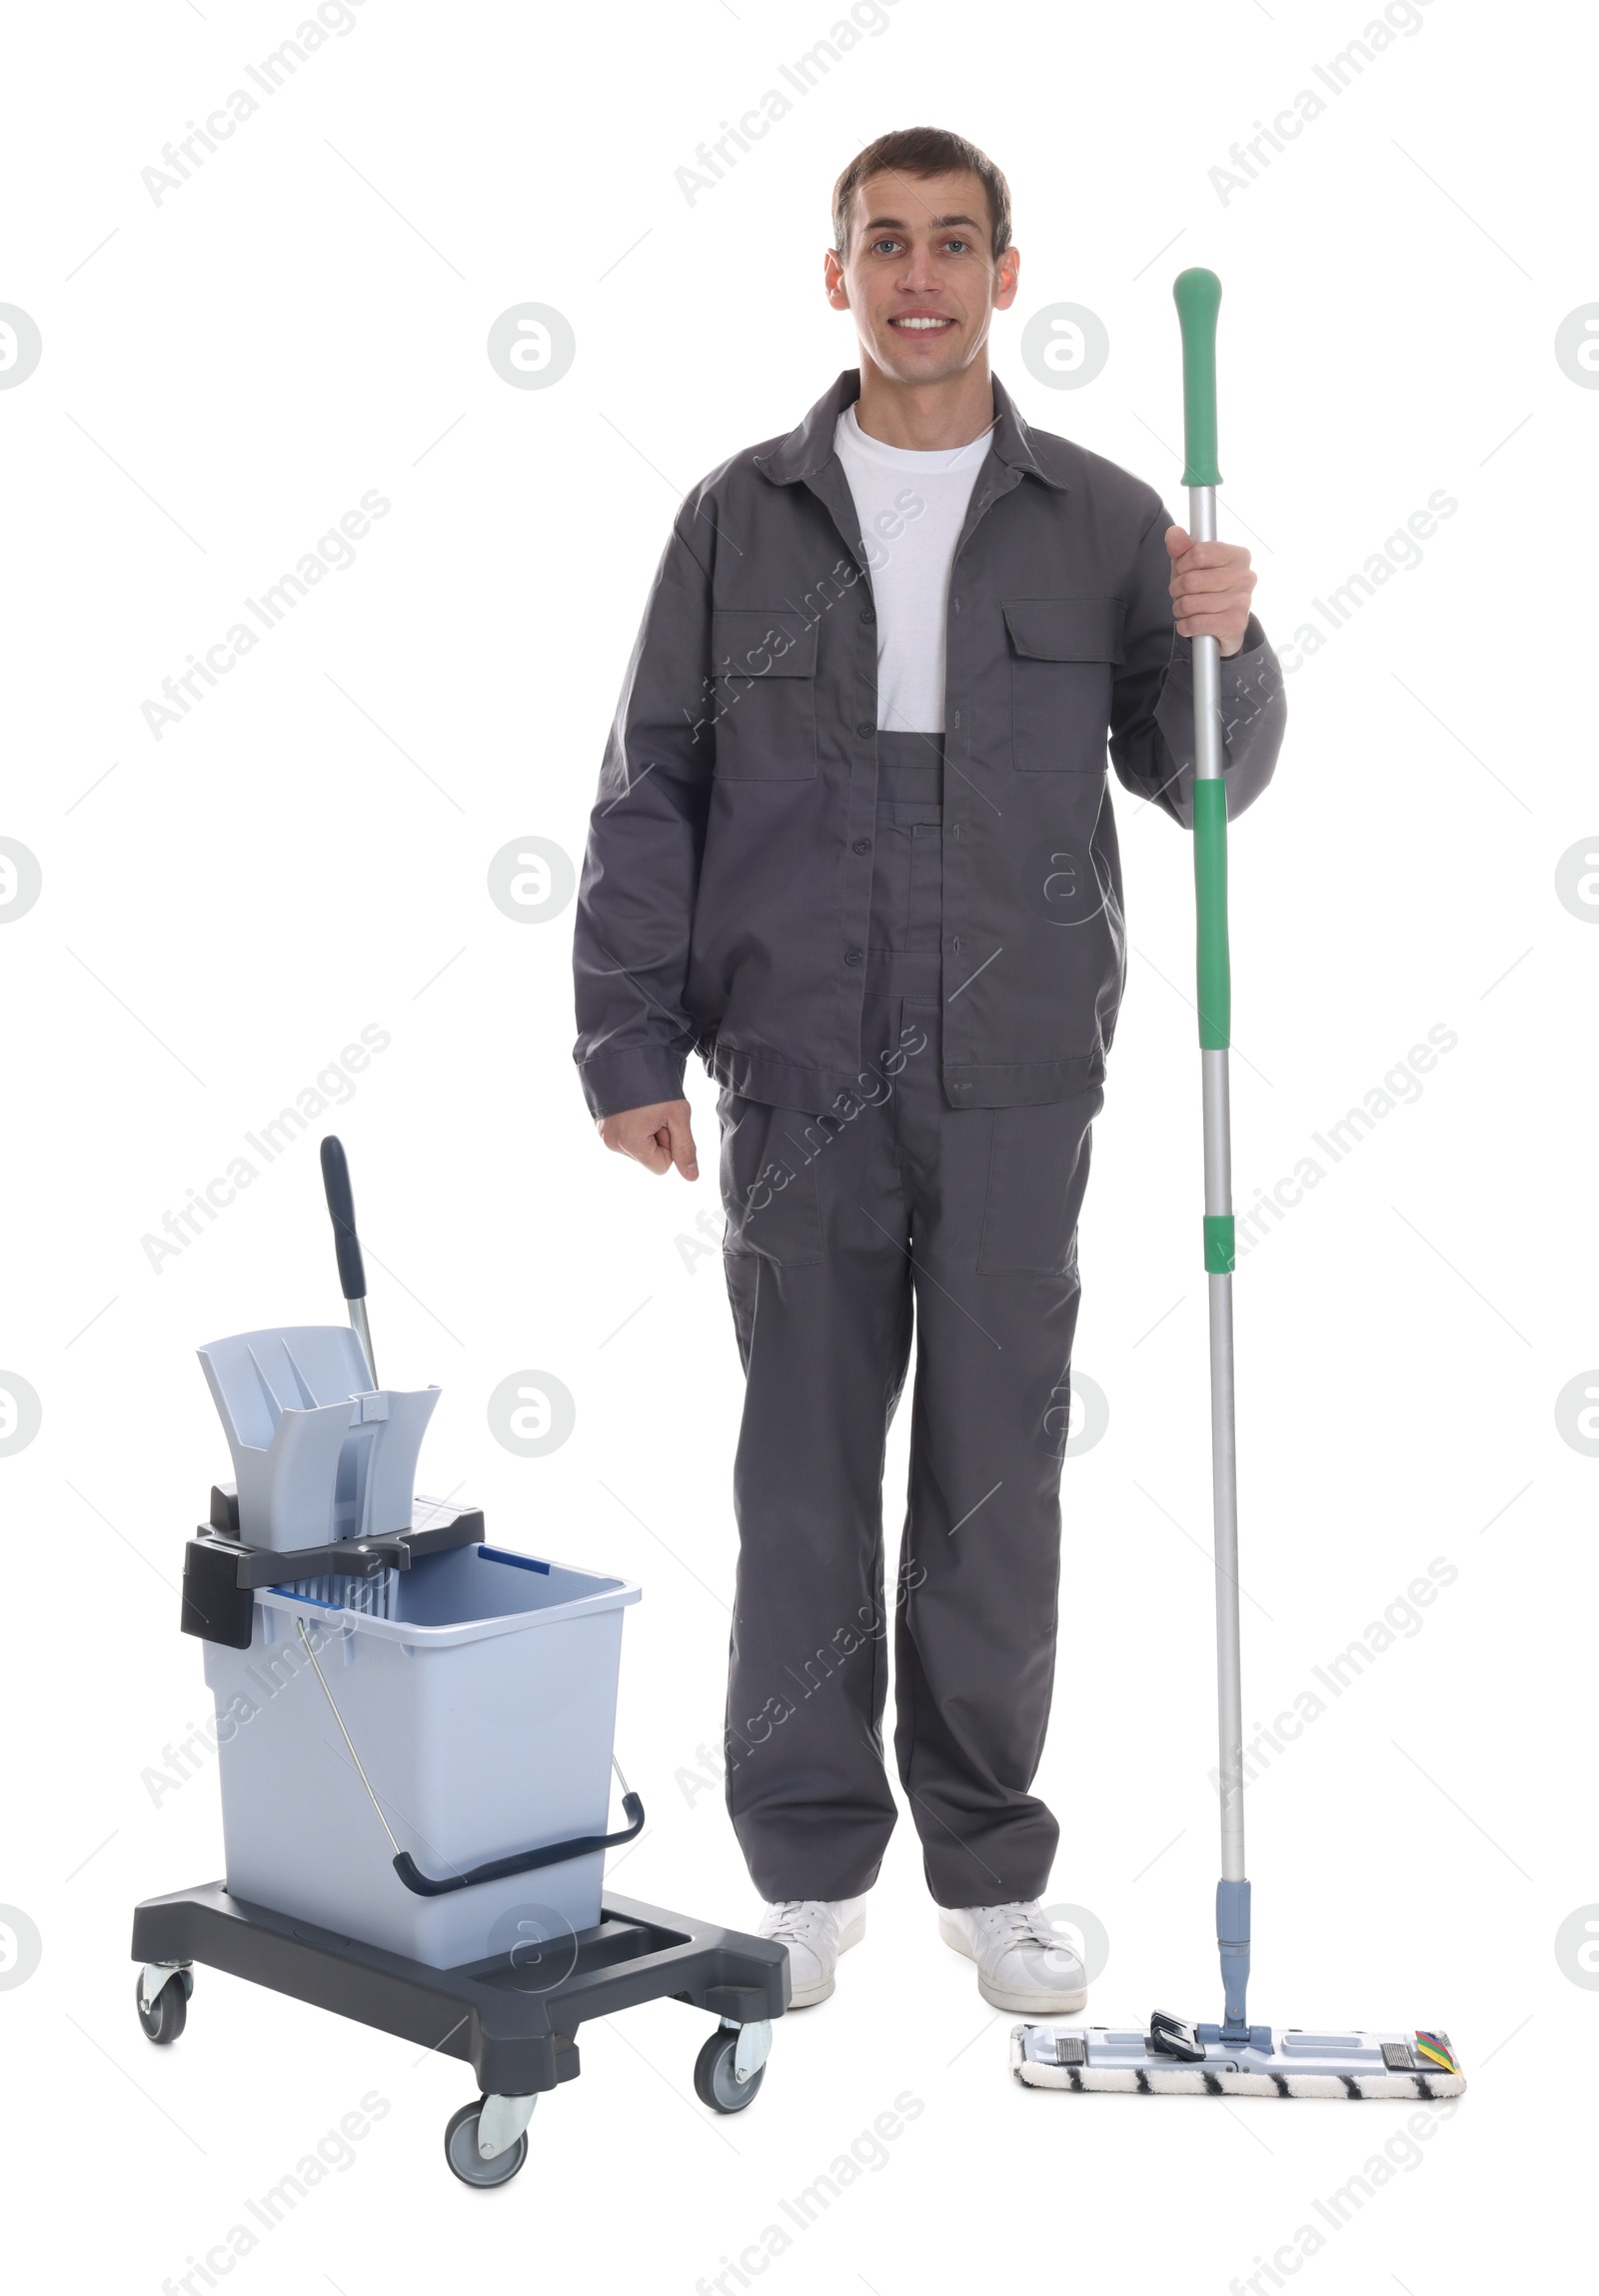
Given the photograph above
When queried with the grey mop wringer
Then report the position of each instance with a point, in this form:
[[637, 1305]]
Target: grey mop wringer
[[1234, 2059]]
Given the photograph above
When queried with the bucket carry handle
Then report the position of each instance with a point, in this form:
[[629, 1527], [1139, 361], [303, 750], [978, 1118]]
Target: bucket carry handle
[[498, 1868], [524, 1860]]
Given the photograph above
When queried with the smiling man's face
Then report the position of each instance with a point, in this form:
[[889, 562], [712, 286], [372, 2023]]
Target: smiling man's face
[[920, 277]]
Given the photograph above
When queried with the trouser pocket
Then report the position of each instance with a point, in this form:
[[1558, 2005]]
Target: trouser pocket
[[1038, 1175], [769, 1183]]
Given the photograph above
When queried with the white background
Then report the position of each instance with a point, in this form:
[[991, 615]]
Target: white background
[[222, 377]]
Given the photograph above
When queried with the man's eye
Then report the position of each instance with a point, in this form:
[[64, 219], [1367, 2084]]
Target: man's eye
[[883, 246], [957, 246]]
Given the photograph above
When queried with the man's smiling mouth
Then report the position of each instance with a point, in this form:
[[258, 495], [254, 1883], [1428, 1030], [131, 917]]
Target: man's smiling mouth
[[921, 323]]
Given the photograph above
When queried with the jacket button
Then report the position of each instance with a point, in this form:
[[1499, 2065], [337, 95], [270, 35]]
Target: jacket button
[[851, 957], [862, 845], [865, 732], [866, 614]]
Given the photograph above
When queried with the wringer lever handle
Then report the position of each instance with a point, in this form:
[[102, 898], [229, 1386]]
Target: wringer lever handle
[[347, 1244]]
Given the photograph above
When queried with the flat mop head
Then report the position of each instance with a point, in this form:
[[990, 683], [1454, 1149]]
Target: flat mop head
[[1175, 2060]]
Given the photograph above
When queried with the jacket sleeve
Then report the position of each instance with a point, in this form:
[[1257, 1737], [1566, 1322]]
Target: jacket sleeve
[[645, 837], [1151, 712]]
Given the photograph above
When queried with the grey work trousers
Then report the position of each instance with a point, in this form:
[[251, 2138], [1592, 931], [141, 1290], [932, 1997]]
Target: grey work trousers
[[843, 1231]]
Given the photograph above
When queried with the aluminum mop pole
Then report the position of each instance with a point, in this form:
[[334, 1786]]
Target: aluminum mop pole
[[1198, 298]]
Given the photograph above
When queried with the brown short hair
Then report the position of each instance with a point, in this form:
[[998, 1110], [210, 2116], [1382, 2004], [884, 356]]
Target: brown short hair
[[922, 152]]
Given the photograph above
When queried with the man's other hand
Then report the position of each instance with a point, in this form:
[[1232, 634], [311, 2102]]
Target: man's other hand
[[1211, 586], [657, 1136]]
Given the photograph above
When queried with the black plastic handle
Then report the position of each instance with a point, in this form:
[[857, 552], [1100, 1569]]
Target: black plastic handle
[[341, 1211], [553, 1853]]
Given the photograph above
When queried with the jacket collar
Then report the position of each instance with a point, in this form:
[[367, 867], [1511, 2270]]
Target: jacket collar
[[808, 448]]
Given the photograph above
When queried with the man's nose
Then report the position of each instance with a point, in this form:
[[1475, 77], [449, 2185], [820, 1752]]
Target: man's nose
[[920, 275]]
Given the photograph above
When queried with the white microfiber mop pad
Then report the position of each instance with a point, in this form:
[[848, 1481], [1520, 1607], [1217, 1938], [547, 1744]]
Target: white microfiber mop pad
[[1111, 2061]]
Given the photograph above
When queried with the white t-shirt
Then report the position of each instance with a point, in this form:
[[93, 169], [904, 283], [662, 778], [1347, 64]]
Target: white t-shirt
[[912, 507]]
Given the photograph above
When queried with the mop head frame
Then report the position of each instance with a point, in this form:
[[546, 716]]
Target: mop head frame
[[1107, 2060]]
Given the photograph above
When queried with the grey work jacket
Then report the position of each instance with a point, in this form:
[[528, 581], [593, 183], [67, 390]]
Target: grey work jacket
[[726, 890]]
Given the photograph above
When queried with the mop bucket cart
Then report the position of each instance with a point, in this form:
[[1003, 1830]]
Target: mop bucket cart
[[414, 1738]]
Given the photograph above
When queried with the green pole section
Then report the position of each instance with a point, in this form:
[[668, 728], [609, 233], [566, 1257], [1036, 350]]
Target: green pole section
[[1197, 295], [1210, 903], [1218, 1244]]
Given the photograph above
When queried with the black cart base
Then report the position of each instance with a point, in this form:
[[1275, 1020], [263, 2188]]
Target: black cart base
[[513, 2020]]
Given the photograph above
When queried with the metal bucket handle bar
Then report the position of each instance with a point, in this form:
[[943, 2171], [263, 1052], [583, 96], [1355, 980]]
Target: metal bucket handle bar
[[498, 1868]]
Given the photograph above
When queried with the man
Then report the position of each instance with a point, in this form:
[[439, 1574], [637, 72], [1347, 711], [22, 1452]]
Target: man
[[854, 844]]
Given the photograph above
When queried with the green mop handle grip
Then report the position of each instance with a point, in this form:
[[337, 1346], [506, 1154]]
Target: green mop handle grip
[[1197, 295]]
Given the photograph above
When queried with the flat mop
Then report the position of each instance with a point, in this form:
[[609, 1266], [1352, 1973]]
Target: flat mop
[[1234, 2059]]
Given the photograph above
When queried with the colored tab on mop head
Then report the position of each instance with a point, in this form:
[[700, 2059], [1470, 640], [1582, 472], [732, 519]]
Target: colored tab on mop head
[[1107, 2060], [1434, 2047]]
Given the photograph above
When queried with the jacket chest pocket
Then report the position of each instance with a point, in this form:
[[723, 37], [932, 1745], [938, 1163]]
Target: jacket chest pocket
[[1063, 655], [764, 673]]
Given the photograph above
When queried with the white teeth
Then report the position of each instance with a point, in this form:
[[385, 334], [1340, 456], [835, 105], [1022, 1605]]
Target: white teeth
[[922, 325]]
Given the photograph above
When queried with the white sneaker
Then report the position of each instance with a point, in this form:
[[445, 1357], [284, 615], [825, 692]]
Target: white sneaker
[[1021, 1963], [815, 1930]]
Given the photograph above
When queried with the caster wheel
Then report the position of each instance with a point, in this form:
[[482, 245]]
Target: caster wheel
[[461, 2151], [714, 2082], [163, 2021]]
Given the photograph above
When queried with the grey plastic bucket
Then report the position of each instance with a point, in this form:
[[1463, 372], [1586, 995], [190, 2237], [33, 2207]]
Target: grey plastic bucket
[[479, 1690]]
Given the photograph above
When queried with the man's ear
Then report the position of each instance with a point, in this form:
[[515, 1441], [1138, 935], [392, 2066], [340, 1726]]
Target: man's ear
[[833, 274], [1006, 273]]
